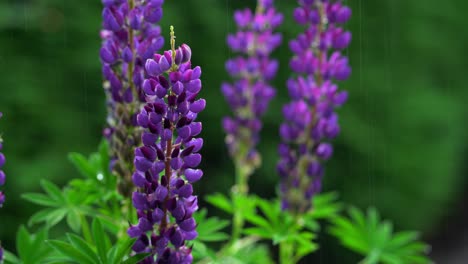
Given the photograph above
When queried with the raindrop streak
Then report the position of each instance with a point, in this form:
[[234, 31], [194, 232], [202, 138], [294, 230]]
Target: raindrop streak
[[25, 14]]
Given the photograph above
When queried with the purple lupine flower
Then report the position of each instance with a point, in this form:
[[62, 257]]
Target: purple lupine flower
[[2, 173], [1, 254], [310, 118], [166, 164], [251, 93], [130, 36]]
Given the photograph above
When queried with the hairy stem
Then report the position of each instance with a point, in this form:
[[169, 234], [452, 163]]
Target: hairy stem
[[167, 174], [239, 191]]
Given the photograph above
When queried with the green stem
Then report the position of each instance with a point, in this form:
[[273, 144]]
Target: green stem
[[131, 65], [86, 231], [286, 251], [239, 191], [372, 258]]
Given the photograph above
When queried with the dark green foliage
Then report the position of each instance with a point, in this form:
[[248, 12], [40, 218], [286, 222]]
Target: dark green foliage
[[105, 240], [95, 196], [98, 251], [246, 250], [209, 229], [371, 237], [30, 246], [267, 221]]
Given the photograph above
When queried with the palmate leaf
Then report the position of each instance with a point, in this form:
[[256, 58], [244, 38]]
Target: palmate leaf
[[30, 246], [375, 239], [61, 205], [76, 249], [96, 167], [100, 237], [266, 220], [80, 197], [68, 250], [324, 206], [270, 222], [251, 253], [246, 250], [210, 228], [221, 202]]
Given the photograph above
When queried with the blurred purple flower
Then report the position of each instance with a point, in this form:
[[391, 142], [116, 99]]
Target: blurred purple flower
[[250, 94], [2, 174], [310, 118], [129, 37]]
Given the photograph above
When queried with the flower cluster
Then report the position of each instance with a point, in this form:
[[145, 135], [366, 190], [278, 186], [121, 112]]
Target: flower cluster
[[2, 174], [250, 95], [166, 163], [310, 119], [130, 37]]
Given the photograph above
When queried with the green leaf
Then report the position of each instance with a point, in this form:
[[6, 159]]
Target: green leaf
[[83, 166], [305, 245], [209, 229], [109, 224], [118, 252], [70, 251], [39, 250], [325, 206], [23, 244], [270, 210], [135, 259], [220, 201], [402, 238], [10, 257], [40, 216], [40, 199], [99, 237], [311, 224], [257, 231], [258, 221], [200, 250], [375, 239], [109, 179], [73, 220], [31, 248], [83, 246], [246, 251], [53, 191], [55, 216], [358, 217], [57, 259]]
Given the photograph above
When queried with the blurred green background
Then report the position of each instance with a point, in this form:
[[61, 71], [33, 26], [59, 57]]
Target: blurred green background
[[402, 147]]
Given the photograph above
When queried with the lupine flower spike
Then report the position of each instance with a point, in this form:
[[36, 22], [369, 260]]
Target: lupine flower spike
[[310, 119], [251, 93], [2, 173], [166, 164], [130, 37], [2, 182]]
